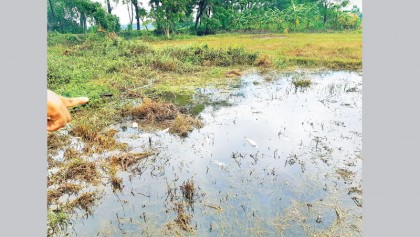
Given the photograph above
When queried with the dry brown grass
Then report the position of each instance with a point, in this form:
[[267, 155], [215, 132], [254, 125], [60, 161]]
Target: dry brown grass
[[100, 141], [85, 202], [126, 160], [77, 169], [264, 61], [67, 188], [184, 124], [115, 180], [71, 153], [188, 190], [56, 141], [233, 73], [154, 111], [183, 219]]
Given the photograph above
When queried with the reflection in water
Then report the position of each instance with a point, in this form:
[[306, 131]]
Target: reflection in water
[[270, 160]]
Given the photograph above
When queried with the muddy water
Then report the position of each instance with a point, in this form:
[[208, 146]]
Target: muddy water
[[270, 160]]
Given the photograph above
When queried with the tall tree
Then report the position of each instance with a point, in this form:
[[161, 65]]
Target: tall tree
[[167, 14], [136, 10], [108, 4]]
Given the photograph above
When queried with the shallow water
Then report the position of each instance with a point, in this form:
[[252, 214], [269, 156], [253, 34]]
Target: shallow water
[[294, 181]]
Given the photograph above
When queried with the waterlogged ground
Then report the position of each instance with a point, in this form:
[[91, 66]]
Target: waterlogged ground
[[270, 160]]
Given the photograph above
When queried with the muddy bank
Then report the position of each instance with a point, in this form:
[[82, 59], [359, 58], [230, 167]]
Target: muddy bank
[[274, 156]]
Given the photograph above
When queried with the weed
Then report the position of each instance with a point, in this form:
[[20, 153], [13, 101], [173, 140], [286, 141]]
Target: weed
[[57, 222], [188, 190], [302, 83]]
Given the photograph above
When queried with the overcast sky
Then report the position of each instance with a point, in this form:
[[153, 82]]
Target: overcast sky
[[121, 10]]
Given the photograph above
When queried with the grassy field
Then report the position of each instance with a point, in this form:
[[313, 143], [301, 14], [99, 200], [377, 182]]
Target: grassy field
[[332, 50], [95, 65], [111, 70]]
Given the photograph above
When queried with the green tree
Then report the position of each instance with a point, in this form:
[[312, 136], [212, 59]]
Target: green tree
[[167, 14]]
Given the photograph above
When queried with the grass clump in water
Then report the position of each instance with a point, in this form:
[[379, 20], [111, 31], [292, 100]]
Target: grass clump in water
[[183, 219], [188, 190], [184, 124], [77, 169], [126, 160], [84, 202], [302, 83], [154, 111], [156, 114], [68, 188], [57, 222]]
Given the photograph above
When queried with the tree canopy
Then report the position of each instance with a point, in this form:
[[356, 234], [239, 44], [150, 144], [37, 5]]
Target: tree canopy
[[207, 16]]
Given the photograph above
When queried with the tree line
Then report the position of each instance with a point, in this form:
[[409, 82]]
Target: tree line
[[205, 16]]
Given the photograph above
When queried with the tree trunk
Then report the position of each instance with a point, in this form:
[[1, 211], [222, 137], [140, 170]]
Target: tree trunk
[[325, 13], [52, 9], [83, 21], [130, 13], [108, 4], [53, 16], [167, 31], [136, 7], [201, 8]]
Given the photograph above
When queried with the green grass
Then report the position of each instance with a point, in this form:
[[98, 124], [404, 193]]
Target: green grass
[[302, 83], [95, 65]]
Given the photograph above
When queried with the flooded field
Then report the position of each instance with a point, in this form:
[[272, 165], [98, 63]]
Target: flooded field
[[277, 155]]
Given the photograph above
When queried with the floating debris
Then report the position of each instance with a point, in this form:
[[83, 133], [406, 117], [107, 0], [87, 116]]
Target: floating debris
[[220, 164], [162, 131], [252, 142]]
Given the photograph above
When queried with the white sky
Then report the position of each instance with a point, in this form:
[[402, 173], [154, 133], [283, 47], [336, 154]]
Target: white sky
[[121, 10]]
